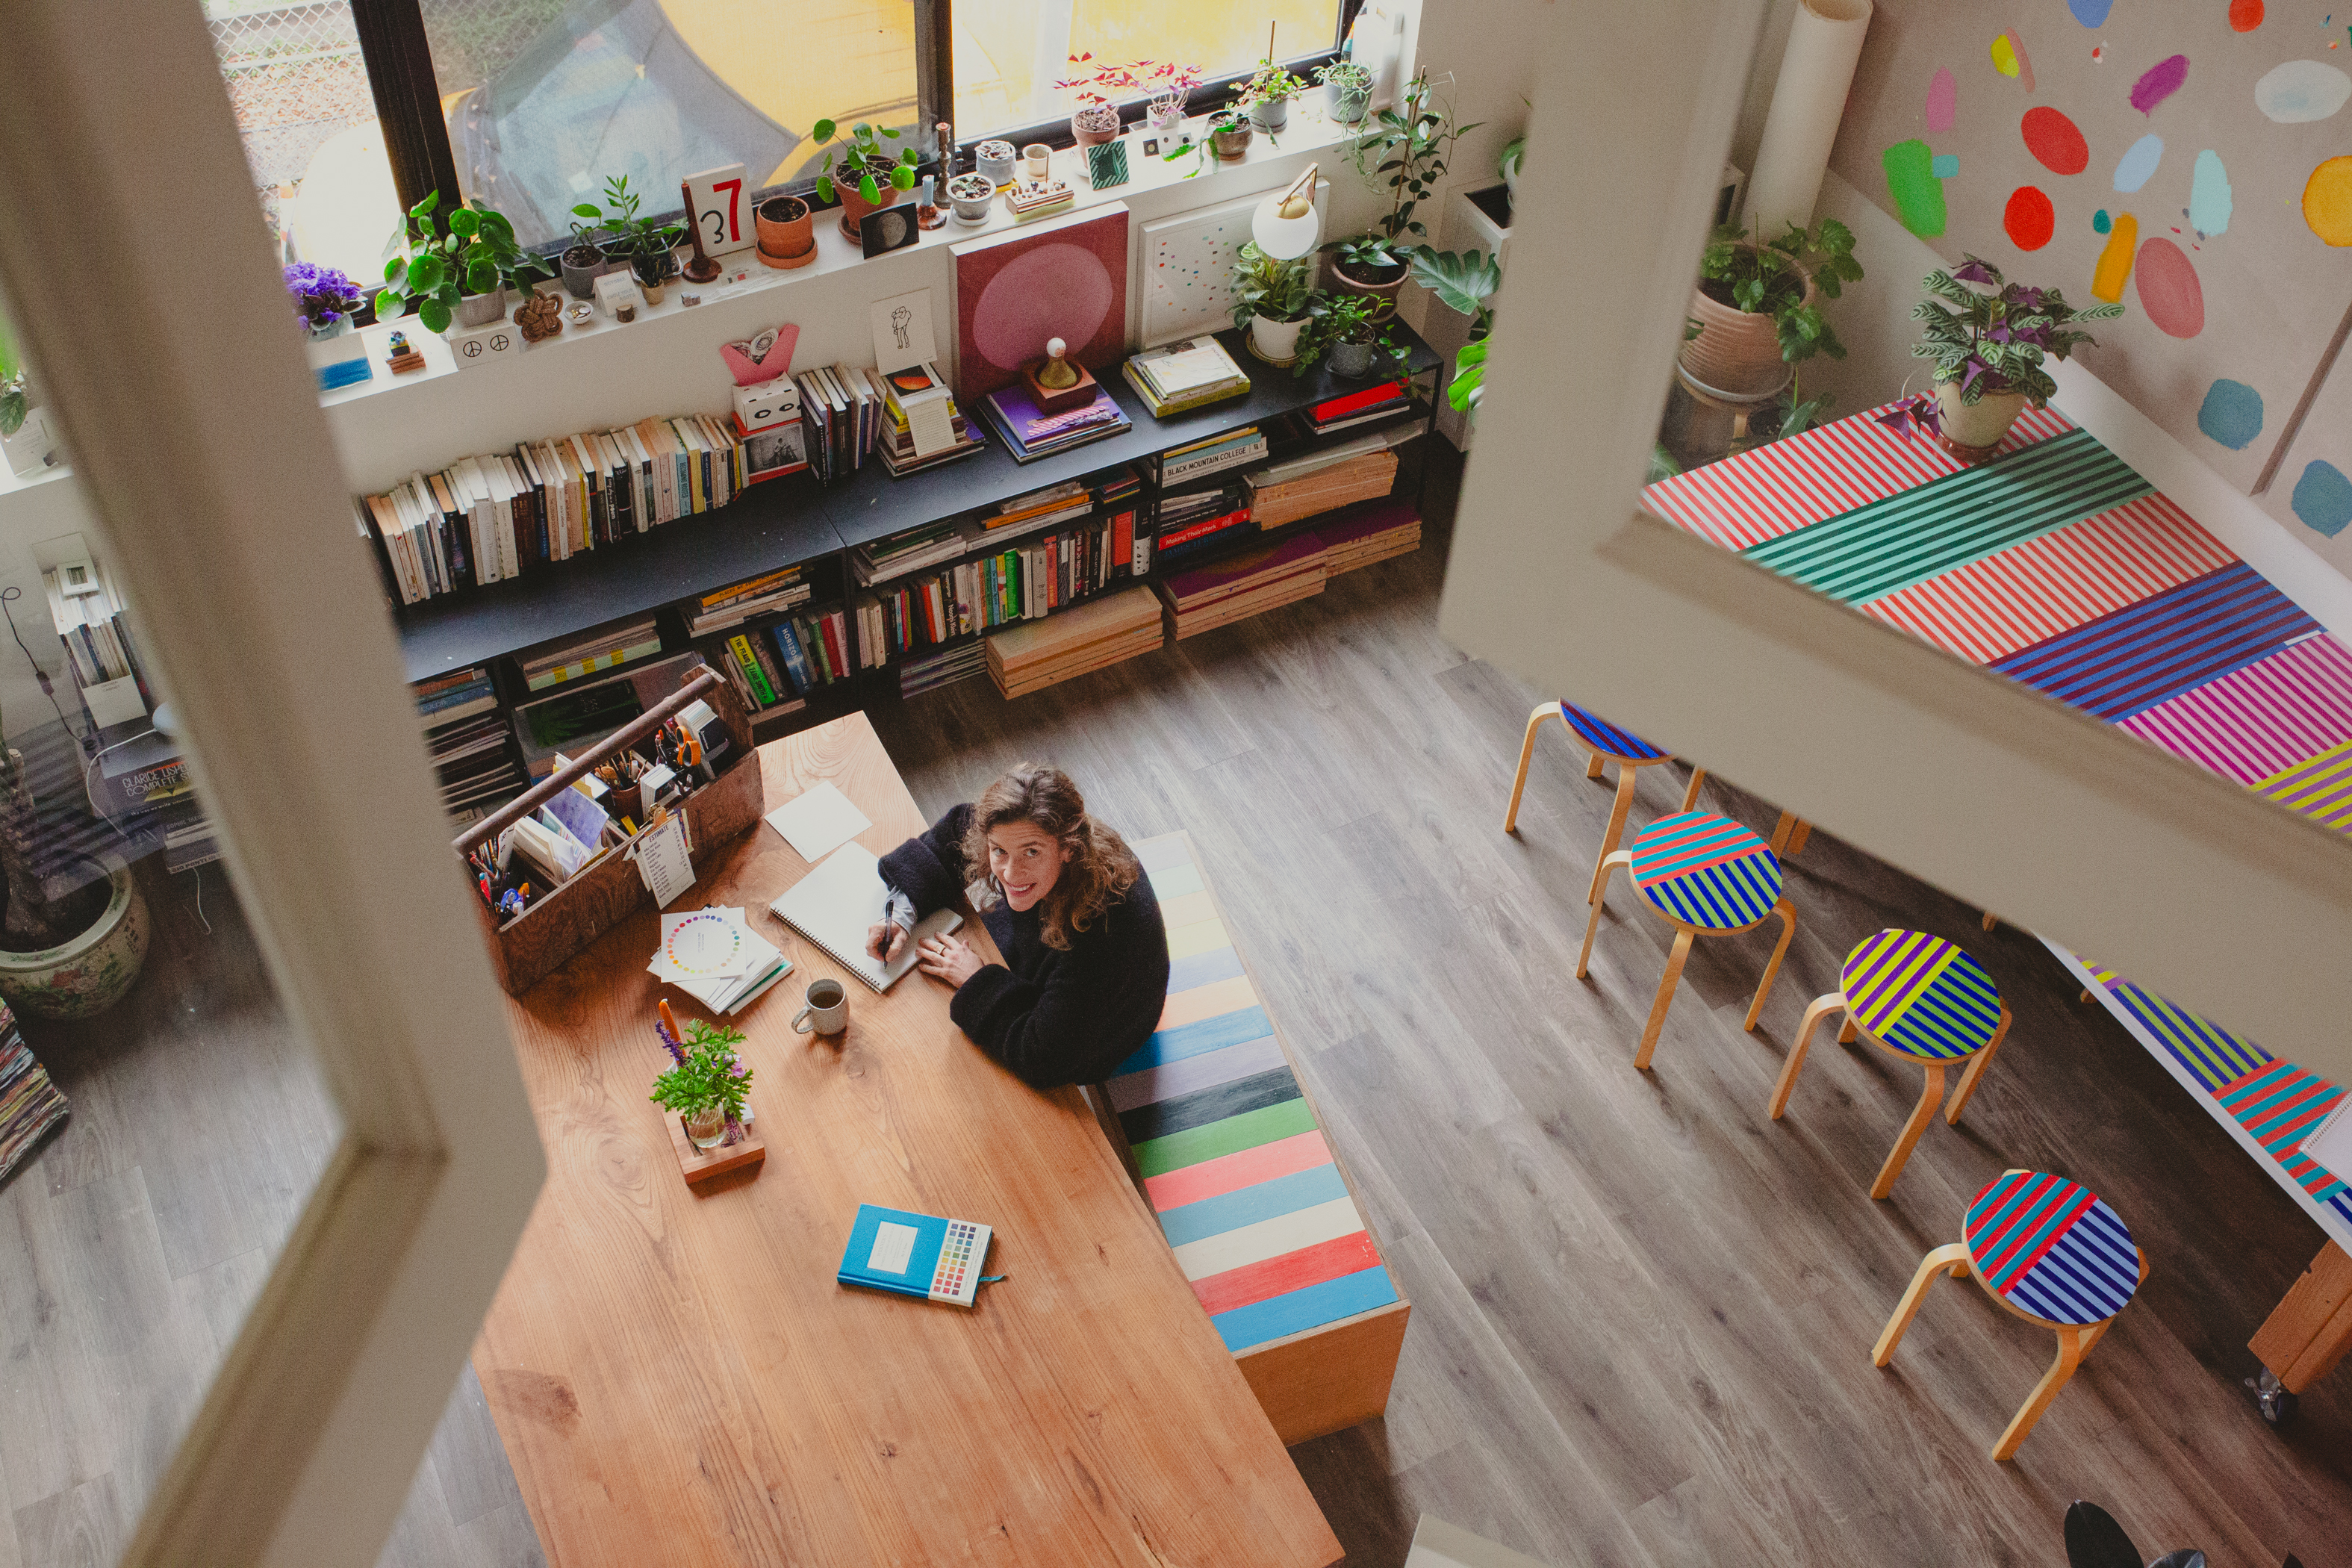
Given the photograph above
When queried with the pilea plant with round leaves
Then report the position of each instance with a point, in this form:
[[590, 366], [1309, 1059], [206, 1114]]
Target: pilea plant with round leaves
[[862, 155], [470, 250]]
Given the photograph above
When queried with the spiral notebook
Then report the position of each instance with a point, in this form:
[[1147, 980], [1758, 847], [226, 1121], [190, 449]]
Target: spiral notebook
[[837, 903]]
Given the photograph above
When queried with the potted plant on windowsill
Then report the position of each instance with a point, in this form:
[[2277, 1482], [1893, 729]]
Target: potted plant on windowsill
[[705, 1083], [1269, 93], [1229, 133], [1989, 354], [1347, 89], [867, 177], [452, 265], [1169, 84], [1756, 307], [76, 955], [1096, 91], [1274, 300], [646, 245], [324, 302], [584, 260], [787, 229], [1402, 152]]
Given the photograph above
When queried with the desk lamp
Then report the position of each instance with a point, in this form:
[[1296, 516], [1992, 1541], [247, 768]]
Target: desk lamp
[[1285, 224]]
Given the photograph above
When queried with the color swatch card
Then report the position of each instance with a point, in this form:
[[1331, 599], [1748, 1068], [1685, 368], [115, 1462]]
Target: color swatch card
[[914, 1255], [818, 821], [713, 956]]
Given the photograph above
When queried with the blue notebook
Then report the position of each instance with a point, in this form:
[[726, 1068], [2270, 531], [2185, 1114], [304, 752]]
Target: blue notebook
[[915, 1255]]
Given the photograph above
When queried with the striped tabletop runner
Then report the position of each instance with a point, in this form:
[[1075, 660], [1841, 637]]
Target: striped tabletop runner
[[1921, 995], [2052, 1248], [2261, 722], [1706, 870], [1233, 1160]]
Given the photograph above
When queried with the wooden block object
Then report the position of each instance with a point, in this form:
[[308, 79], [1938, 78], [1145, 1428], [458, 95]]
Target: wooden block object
[[1037, 654], [2309, 1331], [1243, 585], [701, 1165], [1329, 1378], [1367, 476]]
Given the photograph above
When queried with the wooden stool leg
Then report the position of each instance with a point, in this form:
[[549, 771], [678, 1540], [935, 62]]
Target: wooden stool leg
[[1847, 1033], [1526, 751], [1593, 764], [1787, 914], [1921, 1114], [1976, 1069], [1991, 919], [2311, 1328], [1822, 1007], [1780, 831], [1622, 857], [1950, 1260], [1675, 962], [1690, 796], [1617, 815], [2061, 1373], [1799, 836]]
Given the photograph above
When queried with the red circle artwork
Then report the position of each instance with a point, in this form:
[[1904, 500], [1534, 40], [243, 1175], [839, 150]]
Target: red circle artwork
[[2245, 15], [2051, 137], [2029, 218], [2169, 289]]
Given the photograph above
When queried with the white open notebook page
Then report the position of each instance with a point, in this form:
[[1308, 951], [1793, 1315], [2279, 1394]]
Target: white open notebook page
[[839, 902]]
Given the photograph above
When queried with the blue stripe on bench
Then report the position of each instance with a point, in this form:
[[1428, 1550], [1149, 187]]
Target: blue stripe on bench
[[1247, 1206], [1193, 1040], [1302, 1310]]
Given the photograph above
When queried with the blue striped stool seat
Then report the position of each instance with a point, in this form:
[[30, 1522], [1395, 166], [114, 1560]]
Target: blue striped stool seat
[[1607, 739], [2052, 1248], [1919, 994], [1705, 871]]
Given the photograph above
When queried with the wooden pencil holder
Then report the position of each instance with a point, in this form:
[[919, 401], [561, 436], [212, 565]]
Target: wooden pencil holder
[[608, 889]]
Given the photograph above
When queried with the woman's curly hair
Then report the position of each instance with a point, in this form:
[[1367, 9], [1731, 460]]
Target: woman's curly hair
[[1101, 867]]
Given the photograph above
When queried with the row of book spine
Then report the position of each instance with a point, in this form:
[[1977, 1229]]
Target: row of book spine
[[785, 661], [1022, 582], [503, 515], [96, 636]]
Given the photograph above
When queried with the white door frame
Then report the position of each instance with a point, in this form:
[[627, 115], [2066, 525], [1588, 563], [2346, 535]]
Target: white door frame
[[145, 289], [2224, 902]]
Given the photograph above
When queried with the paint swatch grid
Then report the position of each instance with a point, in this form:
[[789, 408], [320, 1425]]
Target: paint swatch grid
[[1233, 1162]]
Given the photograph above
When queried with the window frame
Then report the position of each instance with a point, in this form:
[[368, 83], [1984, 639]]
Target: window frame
[[2061, 823]]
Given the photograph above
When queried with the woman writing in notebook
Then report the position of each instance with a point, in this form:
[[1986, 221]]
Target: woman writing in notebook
[[1085, 956]]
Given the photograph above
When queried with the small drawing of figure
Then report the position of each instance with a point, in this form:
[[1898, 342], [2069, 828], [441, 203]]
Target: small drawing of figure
[[899, 318]]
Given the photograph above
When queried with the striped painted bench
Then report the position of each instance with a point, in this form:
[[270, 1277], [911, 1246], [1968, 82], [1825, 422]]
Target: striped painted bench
[[1224, 1143]]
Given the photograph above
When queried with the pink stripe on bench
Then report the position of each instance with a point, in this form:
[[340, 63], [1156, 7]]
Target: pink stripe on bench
[[1241, 1168]]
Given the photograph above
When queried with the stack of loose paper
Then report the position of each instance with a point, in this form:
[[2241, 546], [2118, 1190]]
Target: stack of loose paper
[[713, 956], [818, 821]]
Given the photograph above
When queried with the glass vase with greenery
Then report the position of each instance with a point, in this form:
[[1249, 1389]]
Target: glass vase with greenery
[[706, 1075], [444, 256]]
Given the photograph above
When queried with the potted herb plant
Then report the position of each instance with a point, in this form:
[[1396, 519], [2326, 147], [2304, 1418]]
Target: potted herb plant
[[787, 230], [584, 260], [1403, 152], [452, 265], [1269, 93], [1989, 352], [1229, 133], [970, 195], [1167, 84], [645, 245], [1097, 90], [75, 955], [1756, 307], [868, 175], [1347, 89], [1274, 299], [1344, 331], [705, 1082]]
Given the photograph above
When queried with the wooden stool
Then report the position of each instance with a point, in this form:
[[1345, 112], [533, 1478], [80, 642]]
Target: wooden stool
[[1790, 834], [1607, 744], [2050, 1251], [1918, 997], [1708, 876]]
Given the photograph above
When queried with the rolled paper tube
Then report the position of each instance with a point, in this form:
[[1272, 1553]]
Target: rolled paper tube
[[1824, 42]]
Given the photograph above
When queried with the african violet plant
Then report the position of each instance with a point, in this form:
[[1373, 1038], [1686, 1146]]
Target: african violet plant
[[1995, 342], [322, 296]]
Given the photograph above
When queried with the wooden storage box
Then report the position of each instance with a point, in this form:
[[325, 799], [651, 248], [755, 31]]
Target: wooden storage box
[[601, 894]]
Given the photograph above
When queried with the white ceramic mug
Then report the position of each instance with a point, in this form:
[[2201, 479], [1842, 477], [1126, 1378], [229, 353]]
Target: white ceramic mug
[[828, 1009]]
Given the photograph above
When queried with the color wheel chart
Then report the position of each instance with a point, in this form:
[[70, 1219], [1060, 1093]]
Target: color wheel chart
[[2062, 568]]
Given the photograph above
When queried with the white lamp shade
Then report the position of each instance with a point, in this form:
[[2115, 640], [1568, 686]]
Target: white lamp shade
[[1284, 238]]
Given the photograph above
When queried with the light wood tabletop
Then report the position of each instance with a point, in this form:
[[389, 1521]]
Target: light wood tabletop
[[679, 1379]]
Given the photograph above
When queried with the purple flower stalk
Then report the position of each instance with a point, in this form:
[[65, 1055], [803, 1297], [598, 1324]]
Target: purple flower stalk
[[677, 1051]]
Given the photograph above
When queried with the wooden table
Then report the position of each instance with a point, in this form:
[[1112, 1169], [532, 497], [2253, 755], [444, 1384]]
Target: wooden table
[[677, 1377], [2060, 567]]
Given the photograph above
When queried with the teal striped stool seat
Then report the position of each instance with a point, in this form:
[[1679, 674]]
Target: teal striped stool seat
[[1708, 876], [1918, 997], [2050, 1251]]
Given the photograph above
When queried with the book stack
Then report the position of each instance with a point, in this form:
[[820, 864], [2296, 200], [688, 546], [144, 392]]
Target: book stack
[[1211, 455], [1022, 582], [1031, 433], [1055, 504], [1027, 658], [1119, 485], [606, 649], [507, 514], [906, 552], [925, 427], [957, 663], [713, 956], [1368, 533], [738, 603], [1241, 586], [1358, 407], [88, 614], [29, 1103], [1192, 374], [467, 737], [908, 418], [1318, 482], [1190, 520], [778, 666]]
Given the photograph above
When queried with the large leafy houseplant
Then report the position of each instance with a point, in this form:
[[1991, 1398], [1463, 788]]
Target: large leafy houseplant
[[15, 392], [445, 256], [1998, 337], [1267, 286], [1758, 308], [1463, 283], [1402, 152]]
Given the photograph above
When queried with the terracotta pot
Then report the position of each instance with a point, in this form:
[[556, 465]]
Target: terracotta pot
[[1277, 341], [583, 265], [481, 310], [1981, 423], [1271, 114], [1095, 125], [85, 975], [1385, 292], [1736, 353], [787, 232], [1231, 145], [854, 208]]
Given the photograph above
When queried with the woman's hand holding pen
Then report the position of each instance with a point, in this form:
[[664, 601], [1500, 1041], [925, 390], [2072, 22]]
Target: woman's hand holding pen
[[886, 940]]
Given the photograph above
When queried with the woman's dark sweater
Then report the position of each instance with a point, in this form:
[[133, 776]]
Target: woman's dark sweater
[[1052, 1016]]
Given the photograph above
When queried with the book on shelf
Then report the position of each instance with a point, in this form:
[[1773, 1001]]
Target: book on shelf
[[1364, 477], [1116, 626], [1377, 402], [1373, 531], [467, 735], [957, 663], [1026, 581], [919, 423], [1031, 433], [606, 649], [1232, 449], [100, 651], [1176, 377], [733, 606], [1278, 572]]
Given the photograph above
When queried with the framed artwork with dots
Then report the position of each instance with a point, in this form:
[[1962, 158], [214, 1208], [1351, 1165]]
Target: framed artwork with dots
[[1188, 263], [1064, 278]]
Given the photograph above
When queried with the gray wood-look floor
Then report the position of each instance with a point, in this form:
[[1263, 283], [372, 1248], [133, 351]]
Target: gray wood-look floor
[[1642, 1312]]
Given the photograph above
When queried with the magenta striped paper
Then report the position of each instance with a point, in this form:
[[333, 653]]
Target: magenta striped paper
[[2032, 592], [2256, 722], [1782, 486]]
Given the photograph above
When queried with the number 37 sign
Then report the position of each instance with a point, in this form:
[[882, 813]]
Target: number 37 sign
[[722, 204]]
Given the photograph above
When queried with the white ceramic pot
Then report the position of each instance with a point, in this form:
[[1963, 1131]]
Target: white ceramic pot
[[481, 310], [84, 977], [1164, 120], [1272, 114], [1277, 341], [1983, 423]]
